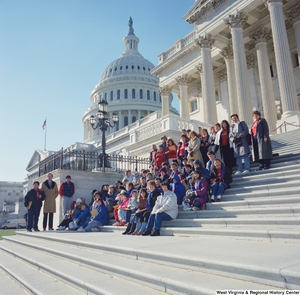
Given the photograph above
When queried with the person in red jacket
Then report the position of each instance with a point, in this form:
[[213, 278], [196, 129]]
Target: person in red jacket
[[171, 150], [160, 157]]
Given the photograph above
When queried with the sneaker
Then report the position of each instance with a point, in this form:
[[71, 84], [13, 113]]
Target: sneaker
[[187, 209], [29, 230], [246, 172], [219, 199], [80, 229], [95, 229], [36, 229], [237, 172], [61, 228], [212, 198], [196, 208]]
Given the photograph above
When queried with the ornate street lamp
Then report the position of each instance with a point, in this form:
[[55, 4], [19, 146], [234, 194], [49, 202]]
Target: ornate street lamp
[[101, 121]]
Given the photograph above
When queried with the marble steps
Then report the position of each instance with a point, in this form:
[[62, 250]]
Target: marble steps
[[30, 278], [63, 270], [149, 266], [9, 285]]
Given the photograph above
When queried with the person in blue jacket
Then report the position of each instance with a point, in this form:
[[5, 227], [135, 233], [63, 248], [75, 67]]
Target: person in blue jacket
[[81, 216], [101, 218], [178, 188]]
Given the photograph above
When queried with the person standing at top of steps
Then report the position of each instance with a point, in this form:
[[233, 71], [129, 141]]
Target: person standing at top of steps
[[49, 187], [262, 148], [66, 191], [237, 135], [33, 203]]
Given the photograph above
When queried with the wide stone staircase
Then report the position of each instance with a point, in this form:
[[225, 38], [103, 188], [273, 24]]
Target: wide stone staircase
[[249, 241]]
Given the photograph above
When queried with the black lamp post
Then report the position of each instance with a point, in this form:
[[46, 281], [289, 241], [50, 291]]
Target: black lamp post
[[101, 121]]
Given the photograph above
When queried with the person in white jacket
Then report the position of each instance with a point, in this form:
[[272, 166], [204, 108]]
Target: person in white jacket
[[165, 208]]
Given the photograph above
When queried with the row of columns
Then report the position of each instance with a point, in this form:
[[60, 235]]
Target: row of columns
[[235, 58]]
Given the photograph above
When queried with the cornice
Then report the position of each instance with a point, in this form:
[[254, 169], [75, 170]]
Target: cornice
[[203, 9]]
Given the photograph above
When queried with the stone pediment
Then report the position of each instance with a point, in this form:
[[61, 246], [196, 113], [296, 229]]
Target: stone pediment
[[38, 156], [202, 9]]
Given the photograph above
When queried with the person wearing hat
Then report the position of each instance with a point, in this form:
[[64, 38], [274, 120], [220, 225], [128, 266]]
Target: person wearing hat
[[49, 187], [71, 214], [66, 191]]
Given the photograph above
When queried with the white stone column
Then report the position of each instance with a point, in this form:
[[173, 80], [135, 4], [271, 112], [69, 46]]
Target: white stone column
[[285, 71], [260, 37], [227, 54], [205, 43], [183, 81], [294, 16], [121, 120], [165, 91], [139, 115], [200, 88], [235, 23], [129, 117]]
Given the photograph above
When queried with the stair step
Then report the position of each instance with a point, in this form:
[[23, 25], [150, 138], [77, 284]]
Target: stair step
[[160, 278], [8, 285], [71, 268], [31, 277], [193, 254]]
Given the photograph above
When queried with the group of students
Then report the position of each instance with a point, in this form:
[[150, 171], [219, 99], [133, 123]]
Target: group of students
[[187, 173]]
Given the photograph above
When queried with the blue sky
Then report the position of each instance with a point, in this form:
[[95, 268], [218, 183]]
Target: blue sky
[[53, 53]]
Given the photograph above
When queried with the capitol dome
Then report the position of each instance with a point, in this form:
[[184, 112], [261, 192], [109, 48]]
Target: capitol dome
[[129, 88]]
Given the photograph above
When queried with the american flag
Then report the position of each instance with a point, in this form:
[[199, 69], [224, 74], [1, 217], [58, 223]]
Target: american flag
[[44, 124]]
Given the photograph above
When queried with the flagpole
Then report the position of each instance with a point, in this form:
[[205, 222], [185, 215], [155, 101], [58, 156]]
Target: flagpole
[[45, 135]]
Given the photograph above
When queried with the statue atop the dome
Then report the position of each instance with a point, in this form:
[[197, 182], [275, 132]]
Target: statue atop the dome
[[131, 30]]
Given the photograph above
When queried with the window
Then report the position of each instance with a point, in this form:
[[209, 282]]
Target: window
[[217, 95], [141, 93], [126, 93], [144, 68], [116, 69], [111, 95], [121, 68], [194, 105], [148, 94], [138, 67], [126, 67], [125, 121], [118, 94], [296, 59], [132, 67], [133, 119], [154, 96], [133, 93], [159, 98], [271, 70], [105, 96]]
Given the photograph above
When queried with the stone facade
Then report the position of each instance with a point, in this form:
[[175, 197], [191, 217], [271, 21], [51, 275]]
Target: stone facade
[[263, 74]]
